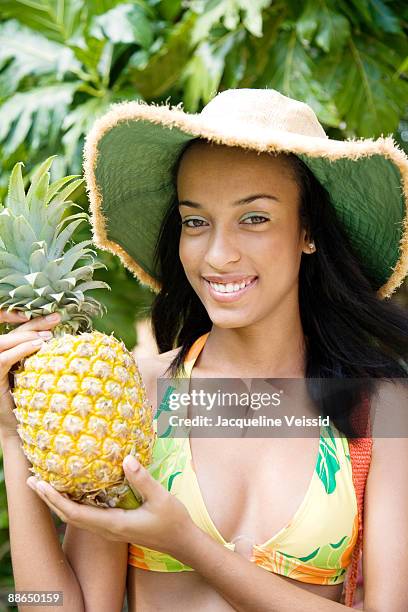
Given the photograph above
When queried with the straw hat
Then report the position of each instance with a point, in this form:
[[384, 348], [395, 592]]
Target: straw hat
[[131, 152]]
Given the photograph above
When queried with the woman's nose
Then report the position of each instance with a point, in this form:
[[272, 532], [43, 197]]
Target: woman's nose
[[222, 250]]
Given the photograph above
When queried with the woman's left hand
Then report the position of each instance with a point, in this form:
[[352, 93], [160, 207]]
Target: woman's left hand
[[161, 522]]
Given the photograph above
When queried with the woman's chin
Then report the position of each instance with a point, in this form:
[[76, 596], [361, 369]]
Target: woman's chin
[[230, 320]]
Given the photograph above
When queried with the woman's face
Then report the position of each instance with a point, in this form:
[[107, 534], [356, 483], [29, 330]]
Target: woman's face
[[240, 226]]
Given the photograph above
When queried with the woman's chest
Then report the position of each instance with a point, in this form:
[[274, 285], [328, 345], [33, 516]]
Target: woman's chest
[[252, 488], [292, 495]]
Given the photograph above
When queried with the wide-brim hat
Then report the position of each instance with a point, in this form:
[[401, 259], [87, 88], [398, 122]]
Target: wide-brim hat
[[131, 153]]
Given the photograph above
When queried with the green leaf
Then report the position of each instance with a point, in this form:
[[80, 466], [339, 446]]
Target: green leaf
[[363, 7], [385, 18], [203, 73], [37, 261], [30, 54], [52, 218], [35, 116], [55, 19], [94, 55], [212, 12], [16, 197], [98, 7], [61, 238], [41, 170], [126, 23], [66, 192], [82, 273], [6, 231], [74, 254], [127, 301], [376, 15], [230, 13], [258, 51], [77, 124], [12, 261], [253, 15], [24, 237], [308, 22], [368, 96], [291, 71], [334, 31], [319, 24], [170, 9], [165, 67], [92, 285], [235, 62], [57, 185]]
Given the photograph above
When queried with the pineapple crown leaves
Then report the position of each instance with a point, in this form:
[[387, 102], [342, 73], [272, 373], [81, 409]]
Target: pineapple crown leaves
[[41, 271]]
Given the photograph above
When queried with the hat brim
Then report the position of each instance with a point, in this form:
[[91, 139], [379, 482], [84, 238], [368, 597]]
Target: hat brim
[[130, 156]]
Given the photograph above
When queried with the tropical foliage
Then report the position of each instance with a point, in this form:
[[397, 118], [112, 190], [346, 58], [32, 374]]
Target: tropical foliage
[[62, 63]]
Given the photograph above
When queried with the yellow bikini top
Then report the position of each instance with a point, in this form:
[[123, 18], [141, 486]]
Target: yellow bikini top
[[316, 546]]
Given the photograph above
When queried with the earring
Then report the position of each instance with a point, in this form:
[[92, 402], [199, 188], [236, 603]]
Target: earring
[[311, 246]]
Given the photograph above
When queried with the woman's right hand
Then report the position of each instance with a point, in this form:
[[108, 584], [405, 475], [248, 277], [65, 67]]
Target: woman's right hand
[[20, 342]]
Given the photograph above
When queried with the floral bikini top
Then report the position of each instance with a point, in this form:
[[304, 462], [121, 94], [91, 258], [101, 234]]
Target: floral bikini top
[[316, 546]]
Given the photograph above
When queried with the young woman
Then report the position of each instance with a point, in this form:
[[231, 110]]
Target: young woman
[[271, 248]]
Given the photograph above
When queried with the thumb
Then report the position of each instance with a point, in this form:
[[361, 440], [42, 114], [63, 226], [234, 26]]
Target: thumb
[[140, 481]]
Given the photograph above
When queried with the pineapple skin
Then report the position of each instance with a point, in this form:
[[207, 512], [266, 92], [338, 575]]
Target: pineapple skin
[[81, 407]]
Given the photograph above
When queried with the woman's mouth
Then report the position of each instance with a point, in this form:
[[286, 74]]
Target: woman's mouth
[[229, 292]]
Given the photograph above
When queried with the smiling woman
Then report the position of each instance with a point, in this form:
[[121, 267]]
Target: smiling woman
[[271, 249], [269, 259]]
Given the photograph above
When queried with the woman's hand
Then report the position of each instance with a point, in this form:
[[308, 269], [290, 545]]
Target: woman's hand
[[161, 522], [14, 346]]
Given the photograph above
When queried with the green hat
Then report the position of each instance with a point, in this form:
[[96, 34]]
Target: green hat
[[131, 153]]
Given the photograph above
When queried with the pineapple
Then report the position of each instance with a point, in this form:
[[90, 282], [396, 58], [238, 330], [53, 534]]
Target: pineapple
[[80, 402]]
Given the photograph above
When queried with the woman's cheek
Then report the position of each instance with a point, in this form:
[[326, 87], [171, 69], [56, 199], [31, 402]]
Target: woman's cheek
[[192, 251], [276, 260], [191, 260], [184, 254]]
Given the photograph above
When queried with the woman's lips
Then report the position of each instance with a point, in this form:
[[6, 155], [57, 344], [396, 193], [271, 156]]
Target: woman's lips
[[230, 297]]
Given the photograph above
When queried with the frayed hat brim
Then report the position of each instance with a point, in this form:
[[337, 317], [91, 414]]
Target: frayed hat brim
[[131, 152]]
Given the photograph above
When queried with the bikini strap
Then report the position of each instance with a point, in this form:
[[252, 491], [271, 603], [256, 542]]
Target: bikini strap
[[193, 353], [179, 384]]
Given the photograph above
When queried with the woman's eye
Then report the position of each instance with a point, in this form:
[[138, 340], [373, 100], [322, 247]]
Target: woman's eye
[[255, 220], [194, 222]]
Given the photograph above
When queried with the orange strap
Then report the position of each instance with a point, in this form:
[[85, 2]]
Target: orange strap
[[360, 455], [196, 347]]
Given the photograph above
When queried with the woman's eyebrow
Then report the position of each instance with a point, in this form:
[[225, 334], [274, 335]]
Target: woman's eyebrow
[[246, 200]]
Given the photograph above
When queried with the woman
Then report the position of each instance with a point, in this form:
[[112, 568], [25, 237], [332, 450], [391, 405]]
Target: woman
[[256, 278]]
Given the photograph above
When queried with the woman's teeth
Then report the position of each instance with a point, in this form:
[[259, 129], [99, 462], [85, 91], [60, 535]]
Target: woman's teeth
[[229, 287]]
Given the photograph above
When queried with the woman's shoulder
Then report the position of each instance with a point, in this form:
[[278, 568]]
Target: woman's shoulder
[[152, 367], [156, 364]]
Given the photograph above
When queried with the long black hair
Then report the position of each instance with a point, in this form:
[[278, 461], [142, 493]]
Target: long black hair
[[350, 334]]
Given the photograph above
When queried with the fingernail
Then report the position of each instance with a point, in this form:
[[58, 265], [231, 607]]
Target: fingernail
[[31, 483], [37, 342], [45, 334], [41, 486], [131, 463], [53, 317]]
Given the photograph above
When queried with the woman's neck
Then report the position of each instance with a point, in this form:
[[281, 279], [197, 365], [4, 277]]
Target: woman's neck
[[272, 348]]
